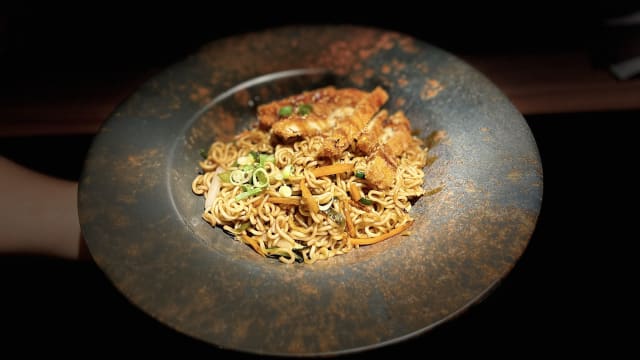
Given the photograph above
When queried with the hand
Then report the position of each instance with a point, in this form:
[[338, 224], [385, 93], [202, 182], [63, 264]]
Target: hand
[[39, 214]]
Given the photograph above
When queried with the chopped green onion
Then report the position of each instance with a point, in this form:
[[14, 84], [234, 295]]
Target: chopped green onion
[[245, 160], [285, 111], [277, 252], [304, 109], [298, 247], [203, 153], [242, 227], [336, 217], [247, 187], [260, 178], [285, 191], [266, 158], [225, 176], [246, 194], [287, 171], [255, 155], [364, 201], [359, 174], [299, 258], [239, 177]]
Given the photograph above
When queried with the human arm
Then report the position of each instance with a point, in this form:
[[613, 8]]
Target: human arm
[[39, 214]]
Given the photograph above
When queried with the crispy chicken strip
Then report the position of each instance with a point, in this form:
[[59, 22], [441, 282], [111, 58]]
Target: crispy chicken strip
[[369, 136], [381, 167], [268, 113], [397, 134], [324, 107], [384, 139], [394, 131], [313, 124], [345, 131]]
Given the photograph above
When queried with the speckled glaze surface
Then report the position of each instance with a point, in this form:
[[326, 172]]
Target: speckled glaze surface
[[143, 227]]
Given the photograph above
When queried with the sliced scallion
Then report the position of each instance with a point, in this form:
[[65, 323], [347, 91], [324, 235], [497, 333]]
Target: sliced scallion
[[260, 178], [225, 176], [287, 171], [245, 160], [266, 158], [336, 217], [304, 109], [285, 111], [242, 227], [255, 155], [247, 187], [285, 191], [239, 177], [246, 194]]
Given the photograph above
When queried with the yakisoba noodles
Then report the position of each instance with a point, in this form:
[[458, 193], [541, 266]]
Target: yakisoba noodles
[[320, 174]]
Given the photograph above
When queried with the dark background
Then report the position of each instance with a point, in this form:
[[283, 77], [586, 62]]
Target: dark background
[[567, 295], [49, 40]]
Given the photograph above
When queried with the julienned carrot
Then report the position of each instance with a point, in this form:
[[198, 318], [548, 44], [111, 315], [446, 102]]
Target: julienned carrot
[[332, 169], [376, 239], [306, 195], [252, 242], [355, 191], [284, 200], [347, 217]]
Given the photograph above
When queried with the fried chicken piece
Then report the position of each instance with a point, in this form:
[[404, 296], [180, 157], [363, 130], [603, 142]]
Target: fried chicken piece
[[311, 125], [393, 131], [381, 167], [369, 136], [397, 134], [322, 109], [345, 131], [384, 139]]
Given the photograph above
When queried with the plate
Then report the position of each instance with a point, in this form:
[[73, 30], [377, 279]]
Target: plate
[[143, 227]]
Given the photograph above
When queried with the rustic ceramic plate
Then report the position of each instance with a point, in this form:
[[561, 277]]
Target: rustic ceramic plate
[[143, 227]]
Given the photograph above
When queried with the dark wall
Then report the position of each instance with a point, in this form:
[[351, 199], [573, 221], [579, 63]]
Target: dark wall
[[76, 39]]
